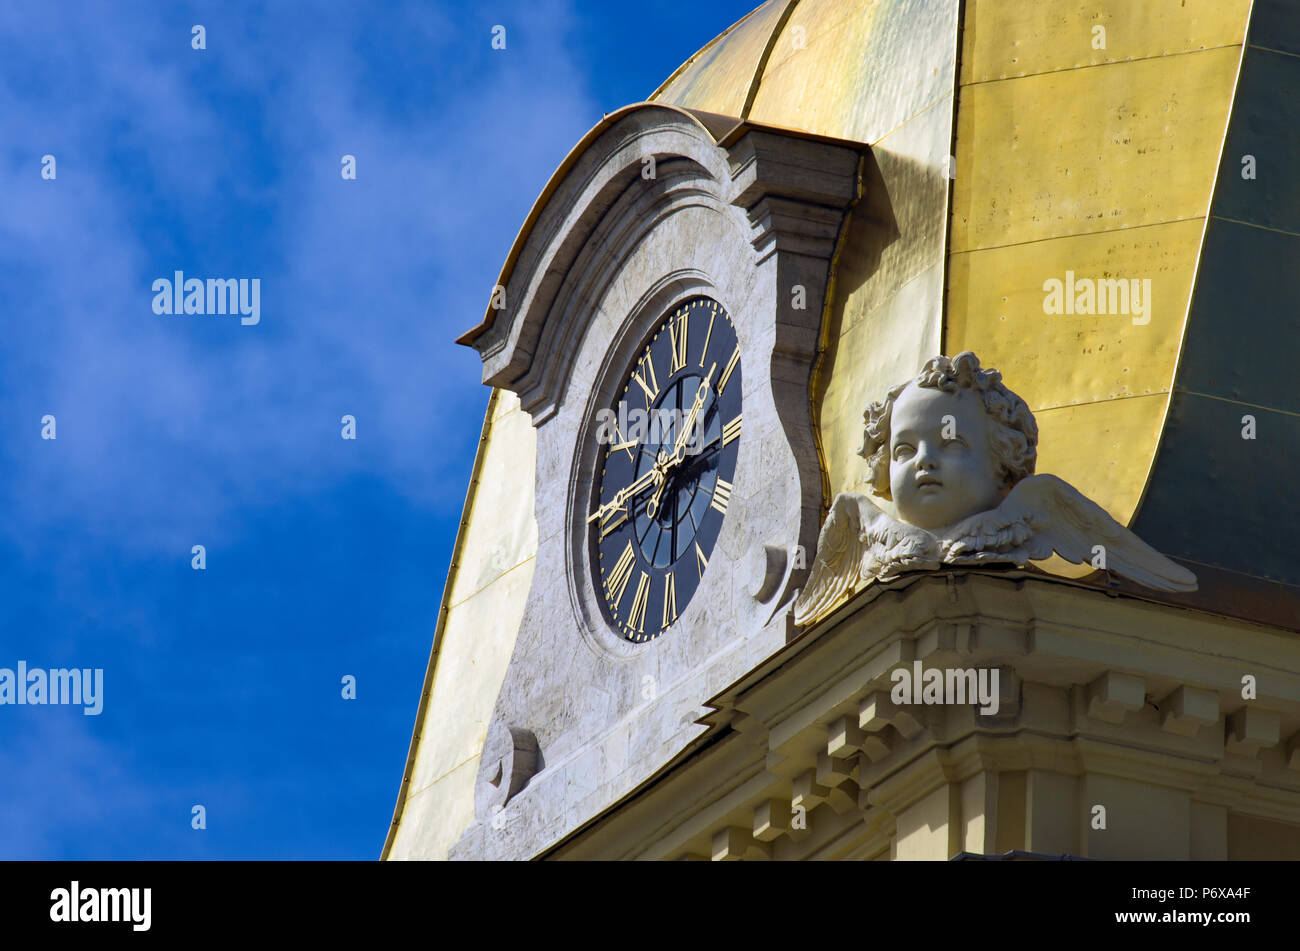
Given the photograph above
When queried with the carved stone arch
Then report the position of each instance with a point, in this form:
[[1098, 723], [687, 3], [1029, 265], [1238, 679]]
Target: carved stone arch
[[595, 194], [638, 210]]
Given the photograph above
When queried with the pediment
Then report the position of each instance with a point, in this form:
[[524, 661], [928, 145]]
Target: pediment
[[636, 168]]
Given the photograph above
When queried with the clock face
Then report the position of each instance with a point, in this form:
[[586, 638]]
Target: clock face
[[668, 458]]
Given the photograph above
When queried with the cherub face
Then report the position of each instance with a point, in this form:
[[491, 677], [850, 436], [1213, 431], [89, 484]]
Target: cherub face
[[942, 468]]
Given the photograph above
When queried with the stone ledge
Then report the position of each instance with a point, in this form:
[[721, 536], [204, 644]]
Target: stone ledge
[[830, 701]]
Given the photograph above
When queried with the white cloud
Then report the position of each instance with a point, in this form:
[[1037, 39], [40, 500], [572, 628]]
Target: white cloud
[[166, 422]]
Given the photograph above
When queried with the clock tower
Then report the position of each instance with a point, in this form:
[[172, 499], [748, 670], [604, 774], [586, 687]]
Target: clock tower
[[711, 290], [675, 272]]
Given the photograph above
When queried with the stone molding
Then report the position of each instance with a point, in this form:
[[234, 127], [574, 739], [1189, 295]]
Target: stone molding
[[793, 188], [1096, 703]]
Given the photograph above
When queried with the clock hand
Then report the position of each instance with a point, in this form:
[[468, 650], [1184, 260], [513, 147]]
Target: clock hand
[[670, 462], [657, 475], [701, 394], [653, 475], [652, 506]]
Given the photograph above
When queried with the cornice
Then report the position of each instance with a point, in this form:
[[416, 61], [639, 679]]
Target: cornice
[[835, 745]]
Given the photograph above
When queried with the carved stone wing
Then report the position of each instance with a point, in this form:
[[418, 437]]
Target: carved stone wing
[[858, 542], [1044, 514]]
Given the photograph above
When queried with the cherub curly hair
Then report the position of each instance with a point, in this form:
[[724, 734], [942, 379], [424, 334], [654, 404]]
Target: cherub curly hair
[[1014, 439]]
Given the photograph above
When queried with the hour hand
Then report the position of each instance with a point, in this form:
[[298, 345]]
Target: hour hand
[[652, 506]]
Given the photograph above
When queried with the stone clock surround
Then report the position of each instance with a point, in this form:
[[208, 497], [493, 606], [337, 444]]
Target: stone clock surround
[[584, 716]]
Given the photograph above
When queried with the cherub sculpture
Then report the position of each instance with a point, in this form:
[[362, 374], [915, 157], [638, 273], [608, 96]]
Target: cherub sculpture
[[955, 451]]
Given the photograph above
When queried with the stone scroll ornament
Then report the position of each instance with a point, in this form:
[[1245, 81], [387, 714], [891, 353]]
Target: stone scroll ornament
[[955, 451]]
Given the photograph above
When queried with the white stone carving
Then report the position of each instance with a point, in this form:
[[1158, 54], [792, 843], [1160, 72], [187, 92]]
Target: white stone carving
[[955, 451]]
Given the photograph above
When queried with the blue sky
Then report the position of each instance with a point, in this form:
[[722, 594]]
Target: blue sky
[[325, 557]]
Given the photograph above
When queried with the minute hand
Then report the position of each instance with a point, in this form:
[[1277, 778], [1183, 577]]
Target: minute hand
[[670, 462], [701, 394], [622, 495]]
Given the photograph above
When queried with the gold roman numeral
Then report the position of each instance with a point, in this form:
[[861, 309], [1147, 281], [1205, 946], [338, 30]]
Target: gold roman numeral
[[627, 447], [700, 561], [616, 583], [731, 365], [721, 496], [677, 332], [712, 317], [731, 430], [670, 599], [637, 618], [647, 364]]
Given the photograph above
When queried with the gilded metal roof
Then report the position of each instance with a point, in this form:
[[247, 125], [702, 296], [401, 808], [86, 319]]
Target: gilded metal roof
[[1071, 152], [1216, 497]]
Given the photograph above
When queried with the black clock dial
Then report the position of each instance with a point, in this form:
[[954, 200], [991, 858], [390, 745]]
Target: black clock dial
[[668, 461]]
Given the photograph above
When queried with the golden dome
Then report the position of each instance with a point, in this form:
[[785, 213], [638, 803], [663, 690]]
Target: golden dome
[[1070, 145], [830, 67]]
